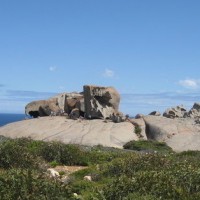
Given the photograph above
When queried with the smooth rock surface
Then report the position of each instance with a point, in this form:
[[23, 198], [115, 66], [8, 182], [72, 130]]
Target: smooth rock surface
[[86, 132], [140, 122], [181, 133]]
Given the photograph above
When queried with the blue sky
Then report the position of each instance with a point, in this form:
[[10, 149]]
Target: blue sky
[[148, 50]]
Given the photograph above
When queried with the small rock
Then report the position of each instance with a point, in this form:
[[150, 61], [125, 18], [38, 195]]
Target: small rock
[[87, 178], [53, 173], [155, 113], [138, 116]]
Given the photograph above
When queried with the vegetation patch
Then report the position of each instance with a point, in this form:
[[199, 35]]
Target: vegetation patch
[[147, 145], [115, 174]]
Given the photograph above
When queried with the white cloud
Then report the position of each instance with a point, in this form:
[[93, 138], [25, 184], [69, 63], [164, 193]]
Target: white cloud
[[190, 83], [52, 68], [61, 87], [145, 103], [108, 73]]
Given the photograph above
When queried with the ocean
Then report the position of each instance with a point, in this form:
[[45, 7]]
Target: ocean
[[9, 118]]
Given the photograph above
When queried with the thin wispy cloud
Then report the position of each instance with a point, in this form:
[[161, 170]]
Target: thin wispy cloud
[[14, 101], [190, 83], [108, 73], [61, 87], [146, 103], [52, 68], [28, 95]]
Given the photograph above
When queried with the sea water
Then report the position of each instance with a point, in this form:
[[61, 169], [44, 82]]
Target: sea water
[[9, 118]]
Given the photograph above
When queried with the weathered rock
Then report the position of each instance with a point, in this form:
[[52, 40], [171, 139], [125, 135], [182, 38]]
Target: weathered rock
[[175, 132], [94, 102], [72, 101], [194, 112], [84, 132], [64, 102], [117, 118], [42, 107], [139, 115], [139, 122], [175, 112], [155, 113], [75, 114], [100, 102]]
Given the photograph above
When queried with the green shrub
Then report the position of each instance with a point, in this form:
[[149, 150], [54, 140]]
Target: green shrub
[[151, 176], [138, 130], [138, 196], [116, 174], [54, 163], [147, 145], [13, 153], [29, 185], [65, 154]]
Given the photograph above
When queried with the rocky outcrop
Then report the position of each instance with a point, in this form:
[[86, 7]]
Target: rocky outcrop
[[194, 111], [64, 102], [42, 107], [180, 133], [100, 102], [139, 115], [155, 113], [83, 132], [93, 103], [141, 123], [175, 112], [75, 113]]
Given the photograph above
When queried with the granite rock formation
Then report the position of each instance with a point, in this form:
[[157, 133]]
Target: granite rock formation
[[181, 134], [94, 102], [64, 102], [155, 113], [100, 102], [194, 112], [175, 112], [83, 132]]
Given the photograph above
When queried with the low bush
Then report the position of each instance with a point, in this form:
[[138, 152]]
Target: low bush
[[147, 145], [116, 174], [65, 154], [13, 153], [138, 130], [30, 185]]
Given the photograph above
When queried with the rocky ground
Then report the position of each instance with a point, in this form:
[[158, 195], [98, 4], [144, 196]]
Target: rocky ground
[[180, 133], [85, 132], [83, 122]]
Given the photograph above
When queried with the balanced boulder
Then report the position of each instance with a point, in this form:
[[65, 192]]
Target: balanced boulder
[[94, 102], [175, 112], [100, 102]]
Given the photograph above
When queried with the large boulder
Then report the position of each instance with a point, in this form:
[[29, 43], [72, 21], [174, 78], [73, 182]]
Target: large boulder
[[100, 102], [181, 134], [94, 102], [194, 111], [155, 113], [42, 107], [175, 112], [83, 132], [65, 102]]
